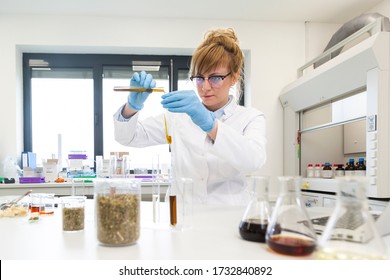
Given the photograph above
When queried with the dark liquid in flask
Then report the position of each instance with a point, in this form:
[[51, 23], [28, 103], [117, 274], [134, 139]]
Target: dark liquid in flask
[[253, 230], [292, 246]]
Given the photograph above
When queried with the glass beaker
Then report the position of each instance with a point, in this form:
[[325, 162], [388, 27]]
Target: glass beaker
[[35, 206], [254, 223], [47, 203], [73, 213], [290, 230], [179, 195], [117, 210], [351, 233]]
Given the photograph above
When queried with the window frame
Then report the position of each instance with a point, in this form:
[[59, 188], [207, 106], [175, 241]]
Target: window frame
[[96, 62]]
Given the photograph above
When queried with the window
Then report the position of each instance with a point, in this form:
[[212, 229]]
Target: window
[[62, 110], [69, 102]]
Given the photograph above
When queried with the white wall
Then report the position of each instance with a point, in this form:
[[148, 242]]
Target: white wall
[[274, 51]]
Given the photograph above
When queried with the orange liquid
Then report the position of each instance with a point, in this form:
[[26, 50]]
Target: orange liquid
[[35, 209]]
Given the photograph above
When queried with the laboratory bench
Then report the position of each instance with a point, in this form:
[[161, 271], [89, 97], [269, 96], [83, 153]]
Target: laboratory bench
[[213, 236]]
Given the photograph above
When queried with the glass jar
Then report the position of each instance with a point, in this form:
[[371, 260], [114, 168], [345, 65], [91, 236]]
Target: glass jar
[[73, 213], [117, 210]]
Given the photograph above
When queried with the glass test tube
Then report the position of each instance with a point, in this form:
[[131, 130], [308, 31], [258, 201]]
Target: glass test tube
[[156, 189]]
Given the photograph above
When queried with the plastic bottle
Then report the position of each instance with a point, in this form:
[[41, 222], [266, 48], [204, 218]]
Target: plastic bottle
[[327, 171], [310, 171], [317, 171], [350, 168], [360, 168]]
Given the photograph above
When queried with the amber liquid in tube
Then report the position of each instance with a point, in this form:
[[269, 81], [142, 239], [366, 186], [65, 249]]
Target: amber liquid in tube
[[139, 89], [173, 209]]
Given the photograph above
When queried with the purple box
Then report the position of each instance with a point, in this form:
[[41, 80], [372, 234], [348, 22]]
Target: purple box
[[31, 180], [77, 156]]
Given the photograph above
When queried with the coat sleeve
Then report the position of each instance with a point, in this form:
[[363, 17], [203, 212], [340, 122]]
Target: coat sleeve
[[135, 133], [242, 145]]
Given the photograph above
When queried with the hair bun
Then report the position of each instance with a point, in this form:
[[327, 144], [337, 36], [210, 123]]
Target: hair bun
[[220, 36]]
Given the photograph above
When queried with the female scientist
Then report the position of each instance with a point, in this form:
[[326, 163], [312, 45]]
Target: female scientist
[[218, 141]]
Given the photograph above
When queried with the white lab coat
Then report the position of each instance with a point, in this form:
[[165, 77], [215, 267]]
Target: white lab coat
[[217, 168]]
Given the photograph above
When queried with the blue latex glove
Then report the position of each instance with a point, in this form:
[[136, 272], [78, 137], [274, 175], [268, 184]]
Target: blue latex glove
[[136, 99], [187, 101]]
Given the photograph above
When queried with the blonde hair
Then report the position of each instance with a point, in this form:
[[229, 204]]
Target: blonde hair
[[219, 48]]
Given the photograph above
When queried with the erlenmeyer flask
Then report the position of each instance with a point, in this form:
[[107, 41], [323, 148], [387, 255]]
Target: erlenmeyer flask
[[254, 223], [290, 230], [351, 233]]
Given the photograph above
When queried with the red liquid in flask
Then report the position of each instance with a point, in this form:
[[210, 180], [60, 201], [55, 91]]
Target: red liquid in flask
[[291, 245]]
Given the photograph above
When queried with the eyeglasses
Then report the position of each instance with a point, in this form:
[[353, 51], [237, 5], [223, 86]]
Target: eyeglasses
[[214, 80]]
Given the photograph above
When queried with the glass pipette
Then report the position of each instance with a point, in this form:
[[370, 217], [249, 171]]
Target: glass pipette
[[139, 89]]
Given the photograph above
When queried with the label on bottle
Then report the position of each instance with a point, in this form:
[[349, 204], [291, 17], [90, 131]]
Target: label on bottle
[[360, 173], [339, 173], [327, 174]]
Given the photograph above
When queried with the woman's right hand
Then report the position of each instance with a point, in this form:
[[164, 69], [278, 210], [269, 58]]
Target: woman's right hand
[[136, 100]]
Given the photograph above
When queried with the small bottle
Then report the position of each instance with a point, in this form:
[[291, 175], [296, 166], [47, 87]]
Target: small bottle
[[360, 168], [310, 171], [350, 168], [339, 171], [63, 173], [290, 231], [317, 171], [327, 171]]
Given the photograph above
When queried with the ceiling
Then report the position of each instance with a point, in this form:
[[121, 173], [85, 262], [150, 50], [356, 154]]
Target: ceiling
[[327, 11]]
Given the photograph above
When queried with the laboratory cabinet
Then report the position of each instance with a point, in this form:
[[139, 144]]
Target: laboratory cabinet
[[340, 109], [354, 138]]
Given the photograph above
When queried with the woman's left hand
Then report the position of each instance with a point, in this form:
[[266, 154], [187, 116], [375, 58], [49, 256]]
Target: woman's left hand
[[187, 101]]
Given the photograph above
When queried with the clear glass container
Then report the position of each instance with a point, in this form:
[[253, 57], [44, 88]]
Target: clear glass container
[[73, 213], [179, 195], [18, 209], [35, 207], [254, 223], [290, 231], [351, 233], [117, 210]]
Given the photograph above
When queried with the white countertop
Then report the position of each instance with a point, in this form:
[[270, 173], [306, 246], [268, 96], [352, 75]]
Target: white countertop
[[214, 236], [60, 189]]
